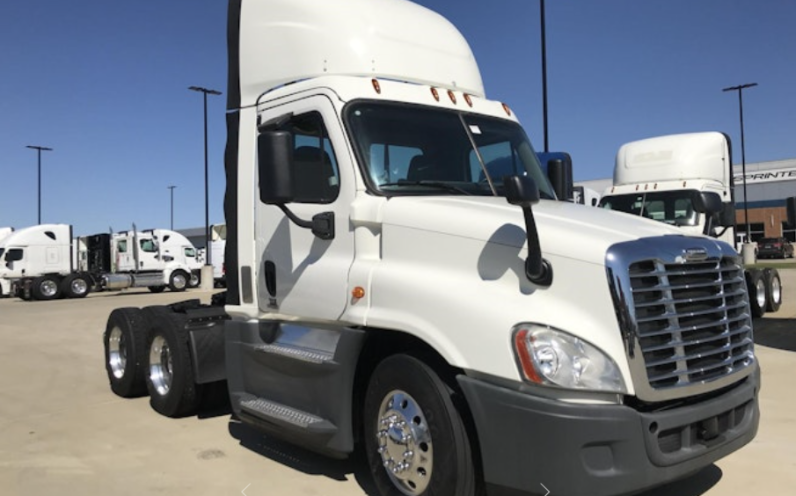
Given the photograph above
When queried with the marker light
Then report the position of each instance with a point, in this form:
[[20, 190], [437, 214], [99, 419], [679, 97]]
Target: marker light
[[376, 85], [358, 292], [507, 109], [468, 99], [435, 93], [452, 96]]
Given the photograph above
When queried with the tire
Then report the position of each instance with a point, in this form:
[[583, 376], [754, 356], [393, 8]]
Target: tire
[[169, 377], [756, 285], [76, 286], [773, 289], [179, 281], [195, 280], [125, 351], [156, 289], [46, 288], [406, 398]]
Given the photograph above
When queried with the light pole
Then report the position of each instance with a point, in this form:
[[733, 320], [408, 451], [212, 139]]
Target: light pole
[[740, 89], [208, 262], [39, 150], [544, 74], [171, 191]]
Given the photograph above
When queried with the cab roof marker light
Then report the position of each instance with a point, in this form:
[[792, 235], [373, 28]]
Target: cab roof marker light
[[452, 96], [468, 99], [376, 85], [435, 93], [507, 109]]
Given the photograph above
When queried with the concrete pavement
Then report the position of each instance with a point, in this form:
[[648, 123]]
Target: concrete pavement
[[63, 432]]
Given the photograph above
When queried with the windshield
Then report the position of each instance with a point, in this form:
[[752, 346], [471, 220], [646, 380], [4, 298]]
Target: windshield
[[414, 150], [671, 207]]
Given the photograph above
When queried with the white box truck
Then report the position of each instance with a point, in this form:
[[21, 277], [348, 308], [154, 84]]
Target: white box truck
[[45, 262], [388, 291], [686, 180]]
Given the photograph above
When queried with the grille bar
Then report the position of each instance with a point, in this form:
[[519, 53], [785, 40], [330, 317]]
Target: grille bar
[[719, 323], [675, 313], [732, 294], [693, 342], [679, 358]]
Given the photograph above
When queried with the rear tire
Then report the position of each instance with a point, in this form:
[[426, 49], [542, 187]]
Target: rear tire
[[412, 425], [178, 281], [773, 289], [125, 351], [76, 286], [756, 285], [169, 377], [46, 288]]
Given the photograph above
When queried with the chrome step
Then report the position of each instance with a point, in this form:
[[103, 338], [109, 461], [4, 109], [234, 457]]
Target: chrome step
[[270, 410]]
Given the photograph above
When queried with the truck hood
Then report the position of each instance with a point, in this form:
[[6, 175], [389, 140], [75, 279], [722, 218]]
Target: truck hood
[[565, 229]]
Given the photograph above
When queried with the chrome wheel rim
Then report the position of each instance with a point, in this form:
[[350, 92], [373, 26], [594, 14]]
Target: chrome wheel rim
[[160, 366], [117, 352], [776, 290], [48, 288], [179, 281], [79, 286], [404, 443], [761, 293]]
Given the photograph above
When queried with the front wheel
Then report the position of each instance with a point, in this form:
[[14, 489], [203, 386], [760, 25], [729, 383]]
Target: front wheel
[[415, 438]]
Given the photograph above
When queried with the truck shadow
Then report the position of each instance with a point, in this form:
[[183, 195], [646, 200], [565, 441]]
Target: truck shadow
[[694, 485], [305, 461], [776, 333]]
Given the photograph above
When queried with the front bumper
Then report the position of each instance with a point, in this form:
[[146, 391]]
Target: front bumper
[[593, 450]]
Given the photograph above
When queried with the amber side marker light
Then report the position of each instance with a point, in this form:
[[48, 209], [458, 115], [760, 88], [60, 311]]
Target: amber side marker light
[[468, 99], [358, 292], [376, 85], [525, 356], [435, 93], [507, 109], [452, 96]]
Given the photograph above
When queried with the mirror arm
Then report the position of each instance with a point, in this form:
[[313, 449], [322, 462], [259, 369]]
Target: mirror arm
[[322, 224], [537, 269]]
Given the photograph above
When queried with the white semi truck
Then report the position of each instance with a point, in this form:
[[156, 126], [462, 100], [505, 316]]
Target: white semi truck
[[5, 286], [45, 262], [686, 180], [218, 243], [386, 291]]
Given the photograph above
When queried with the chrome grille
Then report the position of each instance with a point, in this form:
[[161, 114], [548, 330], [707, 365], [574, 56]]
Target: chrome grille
[[691, 320]]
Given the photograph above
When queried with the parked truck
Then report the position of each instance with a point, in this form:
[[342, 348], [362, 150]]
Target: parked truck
[[218, 243], [46, 262], [686, 180], [5, 286], [387, 291]]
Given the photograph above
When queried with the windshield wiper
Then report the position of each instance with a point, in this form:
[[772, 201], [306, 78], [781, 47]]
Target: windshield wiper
[[431, 184]]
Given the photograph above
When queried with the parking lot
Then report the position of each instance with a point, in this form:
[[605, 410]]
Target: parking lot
[[63, 432]]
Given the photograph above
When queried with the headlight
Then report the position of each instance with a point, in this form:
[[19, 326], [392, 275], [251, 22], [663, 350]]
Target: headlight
[[550, 357]]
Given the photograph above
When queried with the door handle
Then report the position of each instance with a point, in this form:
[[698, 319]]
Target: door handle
[[270, 278]]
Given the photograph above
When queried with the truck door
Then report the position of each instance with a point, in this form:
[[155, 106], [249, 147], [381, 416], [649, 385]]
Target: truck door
[[300, 274], [125, 262]]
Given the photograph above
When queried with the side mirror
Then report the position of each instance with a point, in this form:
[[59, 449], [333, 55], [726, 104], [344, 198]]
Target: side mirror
[[708, 203], [275, 167], [521, 190], [727, 215], [790, 206]]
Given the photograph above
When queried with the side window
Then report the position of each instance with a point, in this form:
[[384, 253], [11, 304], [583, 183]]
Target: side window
[[148, 245], [121, 246], [315, 172], [190, 253], [15, 254]]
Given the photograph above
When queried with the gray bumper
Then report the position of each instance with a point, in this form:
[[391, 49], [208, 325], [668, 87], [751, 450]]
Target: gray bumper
[[595, 450]]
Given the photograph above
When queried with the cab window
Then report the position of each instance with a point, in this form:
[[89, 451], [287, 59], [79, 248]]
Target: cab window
[[15, 254], [190, 253], [121, 246], [314, 162], [148, 245]]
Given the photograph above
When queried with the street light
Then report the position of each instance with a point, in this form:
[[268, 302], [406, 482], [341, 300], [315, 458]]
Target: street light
[[171, 188], [544, 73], [208, 262], [740, 89], [39, 150]]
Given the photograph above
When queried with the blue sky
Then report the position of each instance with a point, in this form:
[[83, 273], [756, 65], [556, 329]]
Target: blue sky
[[104, 83]]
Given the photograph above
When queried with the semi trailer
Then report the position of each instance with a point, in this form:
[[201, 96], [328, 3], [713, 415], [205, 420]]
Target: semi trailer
[[686, 180], [46, 262], [393, 288]]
